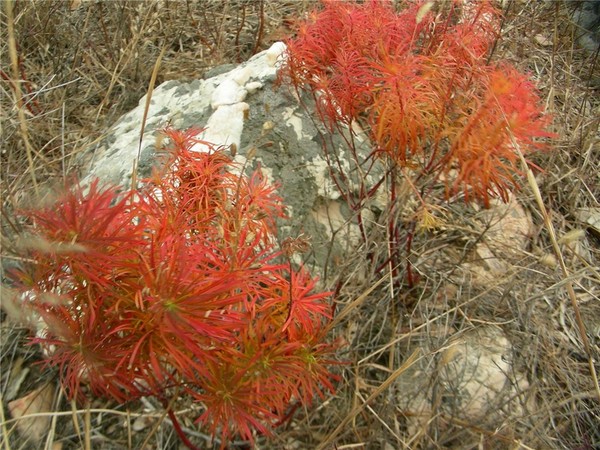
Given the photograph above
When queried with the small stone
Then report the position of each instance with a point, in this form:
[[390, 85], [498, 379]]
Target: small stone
[[478, 377], [38, 401]]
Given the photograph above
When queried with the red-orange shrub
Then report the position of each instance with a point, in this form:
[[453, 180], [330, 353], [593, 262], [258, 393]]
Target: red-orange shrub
[[420, 83], [178, 288]]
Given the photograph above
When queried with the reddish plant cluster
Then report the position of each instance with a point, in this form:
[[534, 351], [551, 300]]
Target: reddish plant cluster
[[178, 288], [420, 83]]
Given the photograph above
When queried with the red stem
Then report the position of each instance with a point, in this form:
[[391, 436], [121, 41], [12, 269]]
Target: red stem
[[179, 431]]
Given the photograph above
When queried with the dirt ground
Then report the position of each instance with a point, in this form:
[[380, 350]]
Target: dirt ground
[[82, 64]]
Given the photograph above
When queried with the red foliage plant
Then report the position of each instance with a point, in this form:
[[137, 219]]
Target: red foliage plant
[[420, 83], [176, 289]]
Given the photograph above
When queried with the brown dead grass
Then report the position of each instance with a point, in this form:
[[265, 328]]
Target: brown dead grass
[[81, 65]]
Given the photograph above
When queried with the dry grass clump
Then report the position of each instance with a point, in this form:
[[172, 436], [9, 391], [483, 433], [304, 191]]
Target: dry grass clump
[[554, 402], [80, 65], [83, 64]]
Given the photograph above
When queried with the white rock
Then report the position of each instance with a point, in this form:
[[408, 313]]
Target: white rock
[[242, 74], [293, 120], [275, 53], [478, 377], [508, 228], [227, 93], [253, 86], [224, 127]]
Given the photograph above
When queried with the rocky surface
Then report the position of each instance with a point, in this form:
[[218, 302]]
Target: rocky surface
[[241, 107], [586, 15]]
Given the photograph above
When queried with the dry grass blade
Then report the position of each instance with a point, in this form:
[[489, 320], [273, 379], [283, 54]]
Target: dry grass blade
[[355, 411], [155, 428], [126, 56], [145, 117], [87, 429], [14, 62], [75, 419], [51, 433], [354, 304], [568, 283], [129, 435], [3, 422]]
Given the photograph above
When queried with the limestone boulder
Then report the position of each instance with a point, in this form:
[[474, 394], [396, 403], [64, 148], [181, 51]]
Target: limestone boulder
[[267, 126]]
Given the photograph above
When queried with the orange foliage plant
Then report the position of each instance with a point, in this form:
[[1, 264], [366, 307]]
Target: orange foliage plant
[[178, 288], [421, 84], [418, 83]]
